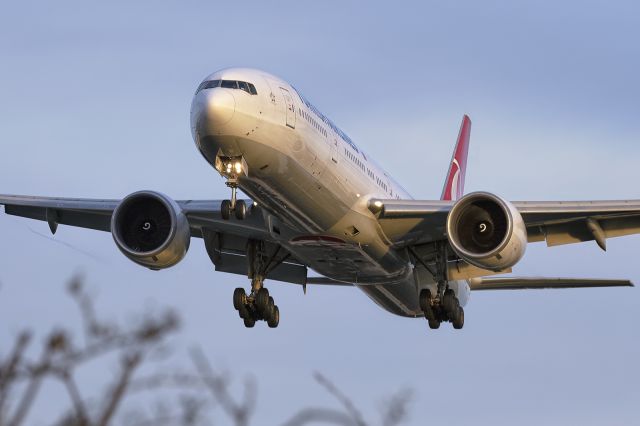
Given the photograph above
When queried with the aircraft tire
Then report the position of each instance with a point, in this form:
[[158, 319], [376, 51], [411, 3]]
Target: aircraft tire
[[241, 210], [425, 296], [249, 322], [458, 321], [262, 300], [225, 209], [244, 312], [239, 297], [449, 302], [434, 324], [274, 317]]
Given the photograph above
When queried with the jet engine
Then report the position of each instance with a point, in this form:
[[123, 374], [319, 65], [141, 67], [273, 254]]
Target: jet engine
[[151, 230], [487, 231]]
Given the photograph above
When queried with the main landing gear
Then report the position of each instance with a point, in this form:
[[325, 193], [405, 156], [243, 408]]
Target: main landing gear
[[259, 305], [443, 305], [256, 306], [438, 309]]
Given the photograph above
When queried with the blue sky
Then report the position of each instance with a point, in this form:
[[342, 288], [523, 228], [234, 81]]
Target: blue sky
[[94, 101]]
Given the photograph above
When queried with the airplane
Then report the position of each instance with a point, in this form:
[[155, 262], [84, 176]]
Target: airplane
[[318, 202]]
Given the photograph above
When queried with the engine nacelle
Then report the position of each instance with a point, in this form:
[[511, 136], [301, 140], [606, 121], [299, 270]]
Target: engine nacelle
[[151, 230], [487, 231]]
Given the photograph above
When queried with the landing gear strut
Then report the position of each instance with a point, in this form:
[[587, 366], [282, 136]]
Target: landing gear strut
[[238, 207], [258, 305], [443, 305], [231, 168]]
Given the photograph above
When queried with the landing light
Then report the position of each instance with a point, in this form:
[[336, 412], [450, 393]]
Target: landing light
[[238, 167], [378, 203], [229, 168]]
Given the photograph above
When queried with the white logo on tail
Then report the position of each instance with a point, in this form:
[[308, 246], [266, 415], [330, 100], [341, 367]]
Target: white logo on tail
[[453, 189]]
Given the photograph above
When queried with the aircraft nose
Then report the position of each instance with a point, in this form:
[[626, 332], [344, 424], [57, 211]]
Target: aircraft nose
[[212, 108]]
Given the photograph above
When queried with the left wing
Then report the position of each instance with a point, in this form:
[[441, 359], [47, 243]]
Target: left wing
[[412, 222], [520, 283]]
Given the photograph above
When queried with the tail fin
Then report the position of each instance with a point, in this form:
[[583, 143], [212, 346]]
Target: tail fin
[[454, 184]]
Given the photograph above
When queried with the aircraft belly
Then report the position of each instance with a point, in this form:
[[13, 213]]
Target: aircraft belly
[[297, 182], [400, 299]]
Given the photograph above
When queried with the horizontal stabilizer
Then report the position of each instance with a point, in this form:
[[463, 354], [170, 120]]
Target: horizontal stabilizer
[[520, 283]]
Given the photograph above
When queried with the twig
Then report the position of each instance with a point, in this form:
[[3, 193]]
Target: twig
[[396, 410], [32, 389], [218, 387], [315, 415], [346, 402], [81, 413], [129, 364], [8, 368]]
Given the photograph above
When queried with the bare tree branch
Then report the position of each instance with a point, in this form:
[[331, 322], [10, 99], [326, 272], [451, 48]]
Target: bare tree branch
[[115, 395], [343, 399], [33, 386], [81, 417], [396, 410], [218, 387], [8, 368], [316, 415]]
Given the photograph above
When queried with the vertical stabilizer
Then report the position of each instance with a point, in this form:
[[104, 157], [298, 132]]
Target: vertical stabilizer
[[454, 184]]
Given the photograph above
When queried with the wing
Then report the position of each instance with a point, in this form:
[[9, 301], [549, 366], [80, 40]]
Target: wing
[[411, 222], [226, 241], [520, 283]]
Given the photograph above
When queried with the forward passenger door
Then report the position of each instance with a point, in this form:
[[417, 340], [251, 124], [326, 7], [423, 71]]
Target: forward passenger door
[[291, 109]]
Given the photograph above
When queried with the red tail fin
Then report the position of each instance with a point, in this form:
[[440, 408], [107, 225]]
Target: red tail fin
[[454, 184]]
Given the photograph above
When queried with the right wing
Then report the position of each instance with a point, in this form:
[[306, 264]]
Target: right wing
[[226, 241]]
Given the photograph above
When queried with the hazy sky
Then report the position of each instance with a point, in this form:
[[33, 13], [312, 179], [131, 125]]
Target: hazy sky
[[94, 102]]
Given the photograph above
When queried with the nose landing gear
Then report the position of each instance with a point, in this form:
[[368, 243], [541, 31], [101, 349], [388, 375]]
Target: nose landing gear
[[231, 168], [235, 206]]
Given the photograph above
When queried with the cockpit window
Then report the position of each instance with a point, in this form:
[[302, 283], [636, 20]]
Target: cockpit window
[[208, 85], [243, 85], [228, 84]]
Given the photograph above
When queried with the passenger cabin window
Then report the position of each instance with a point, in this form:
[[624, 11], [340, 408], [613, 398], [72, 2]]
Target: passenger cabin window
[[228, 84]]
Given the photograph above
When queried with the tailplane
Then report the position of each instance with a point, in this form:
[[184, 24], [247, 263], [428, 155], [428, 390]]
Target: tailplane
[[454, 184]]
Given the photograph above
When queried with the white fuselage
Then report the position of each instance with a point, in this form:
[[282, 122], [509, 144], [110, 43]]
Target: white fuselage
[[312, 177]]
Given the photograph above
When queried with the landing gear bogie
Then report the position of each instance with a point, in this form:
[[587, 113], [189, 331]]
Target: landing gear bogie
[[441, 309]]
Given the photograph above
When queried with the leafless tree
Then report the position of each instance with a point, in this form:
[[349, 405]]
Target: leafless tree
[[193, 392]]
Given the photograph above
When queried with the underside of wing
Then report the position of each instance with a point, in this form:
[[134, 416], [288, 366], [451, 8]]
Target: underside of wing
[[521, 283], [413, 222], [227, 241]]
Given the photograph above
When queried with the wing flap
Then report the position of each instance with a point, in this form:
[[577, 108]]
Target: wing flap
[[530, 283]]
